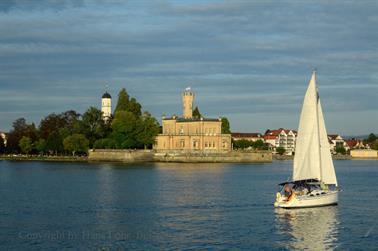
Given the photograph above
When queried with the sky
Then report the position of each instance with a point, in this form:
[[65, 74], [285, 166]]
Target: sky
[[249, 61]]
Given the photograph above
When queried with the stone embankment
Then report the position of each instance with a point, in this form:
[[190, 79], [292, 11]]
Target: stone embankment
[[132, 156], [290, 157]]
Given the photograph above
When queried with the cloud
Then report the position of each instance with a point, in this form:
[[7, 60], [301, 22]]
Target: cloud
[[26, 5], [255, 55]]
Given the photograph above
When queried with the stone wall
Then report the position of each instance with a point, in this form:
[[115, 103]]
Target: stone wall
[[177, 156], [230, 157], [120, 155]]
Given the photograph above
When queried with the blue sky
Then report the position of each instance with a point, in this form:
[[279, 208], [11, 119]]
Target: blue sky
[[247, 60]]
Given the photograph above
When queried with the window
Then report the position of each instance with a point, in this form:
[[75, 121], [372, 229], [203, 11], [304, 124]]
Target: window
[[224, 144], [182, 143], [195, 144], [181, 130]]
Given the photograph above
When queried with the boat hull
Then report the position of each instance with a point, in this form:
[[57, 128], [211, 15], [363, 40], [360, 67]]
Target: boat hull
[[315, 199]]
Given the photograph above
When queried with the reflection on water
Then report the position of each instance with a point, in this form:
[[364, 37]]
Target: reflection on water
[[309, 228]]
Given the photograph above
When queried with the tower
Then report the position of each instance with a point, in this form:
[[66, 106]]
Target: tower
[[106, 106], [187, 103]]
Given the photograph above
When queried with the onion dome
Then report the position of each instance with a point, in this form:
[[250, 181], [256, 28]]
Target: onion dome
[[106, 95]]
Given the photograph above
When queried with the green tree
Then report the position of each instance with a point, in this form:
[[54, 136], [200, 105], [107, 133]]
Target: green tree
[[41, 145], [225, 126], [196, 113], [93, 126], [124, 126], [134, 107], [242, 144], [280, 150], [107, 143], [54, 143], [341, 150], [375, 145], [20, 129], [371, 137], [76, 143], [123, 101], [148, 129], [258, 144], [26, 144]]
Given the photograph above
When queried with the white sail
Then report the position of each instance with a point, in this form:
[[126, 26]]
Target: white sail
[[312, 158], [328, 175]]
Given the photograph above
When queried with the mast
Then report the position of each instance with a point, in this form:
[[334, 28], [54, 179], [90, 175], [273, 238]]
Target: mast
[[318, 126]]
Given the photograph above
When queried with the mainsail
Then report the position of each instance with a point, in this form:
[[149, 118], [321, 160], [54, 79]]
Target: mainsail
[[312, 158]]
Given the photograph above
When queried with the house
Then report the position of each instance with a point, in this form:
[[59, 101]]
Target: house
[[247, 136], [281, 137], [355, 144], [336, 141], [4, 136]]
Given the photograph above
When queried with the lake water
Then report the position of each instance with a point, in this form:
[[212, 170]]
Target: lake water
[[79, 206]]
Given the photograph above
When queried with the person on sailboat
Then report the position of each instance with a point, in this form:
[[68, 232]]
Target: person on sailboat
[[287, 191]]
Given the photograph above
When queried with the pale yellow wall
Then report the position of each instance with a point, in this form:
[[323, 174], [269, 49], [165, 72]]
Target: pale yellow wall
[[193, 135], [187, 102], [364, 153]]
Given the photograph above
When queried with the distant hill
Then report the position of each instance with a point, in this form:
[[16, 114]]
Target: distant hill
[[357, 136]]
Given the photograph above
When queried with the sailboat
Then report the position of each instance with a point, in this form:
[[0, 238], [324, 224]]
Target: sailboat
[[314, 180]]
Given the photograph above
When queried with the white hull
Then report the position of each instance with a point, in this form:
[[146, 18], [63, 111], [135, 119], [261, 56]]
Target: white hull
[[315, 199]]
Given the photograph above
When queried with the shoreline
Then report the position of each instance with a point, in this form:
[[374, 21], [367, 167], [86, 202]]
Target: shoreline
[[85, 159], [44, 158]]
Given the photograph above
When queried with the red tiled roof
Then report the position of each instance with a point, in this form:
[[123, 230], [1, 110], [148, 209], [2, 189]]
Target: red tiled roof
[[353, 142], [270, 137], [276, 132]]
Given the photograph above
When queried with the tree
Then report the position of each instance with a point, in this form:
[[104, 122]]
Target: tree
[[107, 143], [54, 122], [134, 107], [41, 145], [70, 119], [341, 150], [93, 126], [25, 144], [258, 144], [76, 143], [149, 129], [54, 143], [51, 125], [124, 126], [225, 126], [280, 150], [123, 101], [196, 113], [375, 145], [20, 129], [242, 144], [371, 138]]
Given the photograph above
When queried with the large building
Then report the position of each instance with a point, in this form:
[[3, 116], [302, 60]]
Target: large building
[[284, 138], [106, 106], [191, 134]]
